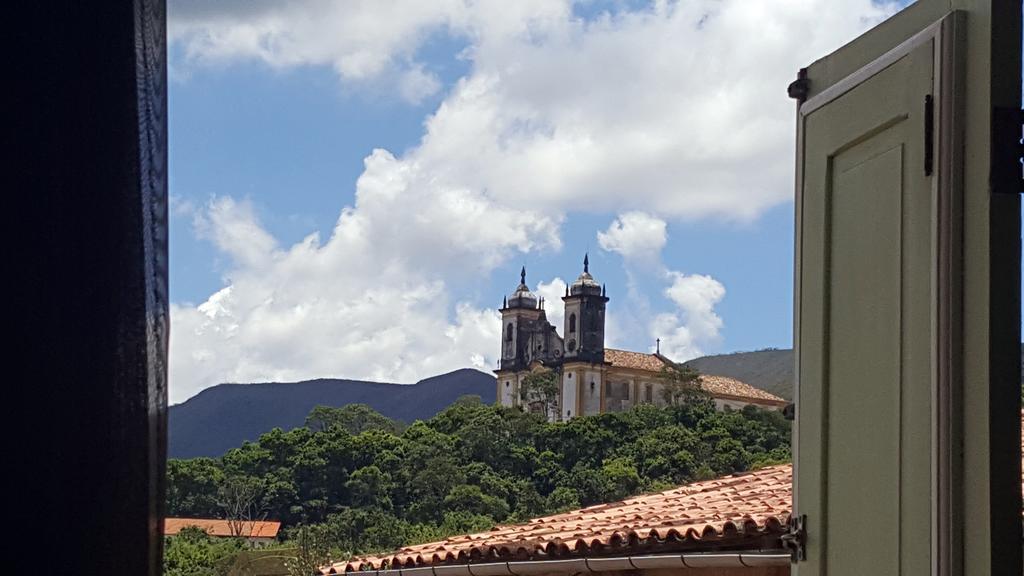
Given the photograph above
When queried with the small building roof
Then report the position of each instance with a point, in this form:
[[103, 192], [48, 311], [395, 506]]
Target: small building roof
[[742, 511], [217, 527]]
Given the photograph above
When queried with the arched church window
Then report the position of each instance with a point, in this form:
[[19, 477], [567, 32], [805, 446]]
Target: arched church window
[[572, 323], [508, 332]]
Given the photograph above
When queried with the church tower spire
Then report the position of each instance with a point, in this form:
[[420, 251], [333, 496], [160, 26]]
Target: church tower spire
[[584, 317]]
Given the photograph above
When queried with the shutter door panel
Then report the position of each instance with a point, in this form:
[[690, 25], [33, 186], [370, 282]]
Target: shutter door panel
[[867, 245]]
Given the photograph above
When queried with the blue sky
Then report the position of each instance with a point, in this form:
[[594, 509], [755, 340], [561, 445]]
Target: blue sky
[[433, 150]]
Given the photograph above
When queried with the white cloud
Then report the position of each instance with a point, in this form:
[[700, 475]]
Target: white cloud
[[366, 42], [678, 111], [635, 236], [695, 323], [369, 303], [417, 84], [554, 307], [673, 112]]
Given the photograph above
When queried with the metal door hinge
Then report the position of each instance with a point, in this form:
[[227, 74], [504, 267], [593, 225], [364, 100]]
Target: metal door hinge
[[795, 538], [1007, 172], [799, 88], [789, 411]]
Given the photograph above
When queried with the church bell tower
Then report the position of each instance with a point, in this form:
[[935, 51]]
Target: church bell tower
[[519, 313], [585, 302]]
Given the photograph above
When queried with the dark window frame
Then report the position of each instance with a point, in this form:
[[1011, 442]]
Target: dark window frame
[[89, 146]]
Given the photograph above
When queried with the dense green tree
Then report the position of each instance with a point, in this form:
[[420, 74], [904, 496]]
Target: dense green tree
[[192, 487], [311, 549], [620, 479], [192, 552], [539, 391], [363, 530], [352, 418], [681, 384], [471, 499], [371, 485], [562, 499]]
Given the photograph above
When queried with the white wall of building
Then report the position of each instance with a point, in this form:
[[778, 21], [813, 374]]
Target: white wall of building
[[569, 392], [591, 383], [507, 390]]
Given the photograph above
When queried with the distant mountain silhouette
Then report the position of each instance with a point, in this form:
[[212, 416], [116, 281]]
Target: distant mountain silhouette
[[770, 370], [222, 417]]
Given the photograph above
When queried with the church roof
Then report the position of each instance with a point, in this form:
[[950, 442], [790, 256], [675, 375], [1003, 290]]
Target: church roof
[[585, 283], [715, 385], [522, 297], [634, 360], [723, 386]]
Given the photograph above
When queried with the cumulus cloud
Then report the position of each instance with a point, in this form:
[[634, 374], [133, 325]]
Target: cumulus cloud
[[372, 302], [685, 332], [366, 42], [676, 108], [668, 112], [636, 236], [417, 84], [554, 308], [693, 323]]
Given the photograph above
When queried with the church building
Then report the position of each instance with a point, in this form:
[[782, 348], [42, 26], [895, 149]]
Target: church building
[[591, 378]]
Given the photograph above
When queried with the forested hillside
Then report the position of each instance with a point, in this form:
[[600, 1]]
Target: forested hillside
[[770, 370], [373, 485], [222, 417]]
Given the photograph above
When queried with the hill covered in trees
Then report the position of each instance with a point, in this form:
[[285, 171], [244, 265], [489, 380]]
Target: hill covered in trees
[[770, 370], [366, 483], [222, 417]]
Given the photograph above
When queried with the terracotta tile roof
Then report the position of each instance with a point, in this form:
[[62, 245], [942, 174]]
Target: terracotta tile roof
[[714, 385], [635, 360], [723, 386], [215, 527], [747, 510]]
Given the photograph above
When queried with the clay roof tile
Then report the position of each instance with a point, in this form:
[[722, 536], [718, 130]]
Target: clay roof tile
[[738, 507]]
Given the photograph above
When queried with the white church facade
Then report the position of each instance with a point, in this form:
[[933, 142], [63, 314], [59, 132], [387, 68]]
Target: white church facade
[[592, 379]]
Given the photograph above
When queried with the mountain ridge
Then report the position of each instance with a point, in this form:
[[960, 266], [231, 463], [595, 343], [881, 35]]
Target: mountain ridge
[[770, 369], [226, 415]]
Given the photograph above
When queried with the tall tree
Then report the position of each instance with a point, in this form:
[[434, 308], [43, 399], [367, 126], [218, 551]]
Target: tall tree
[[540, 390], [681, 384], [239, 499]]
